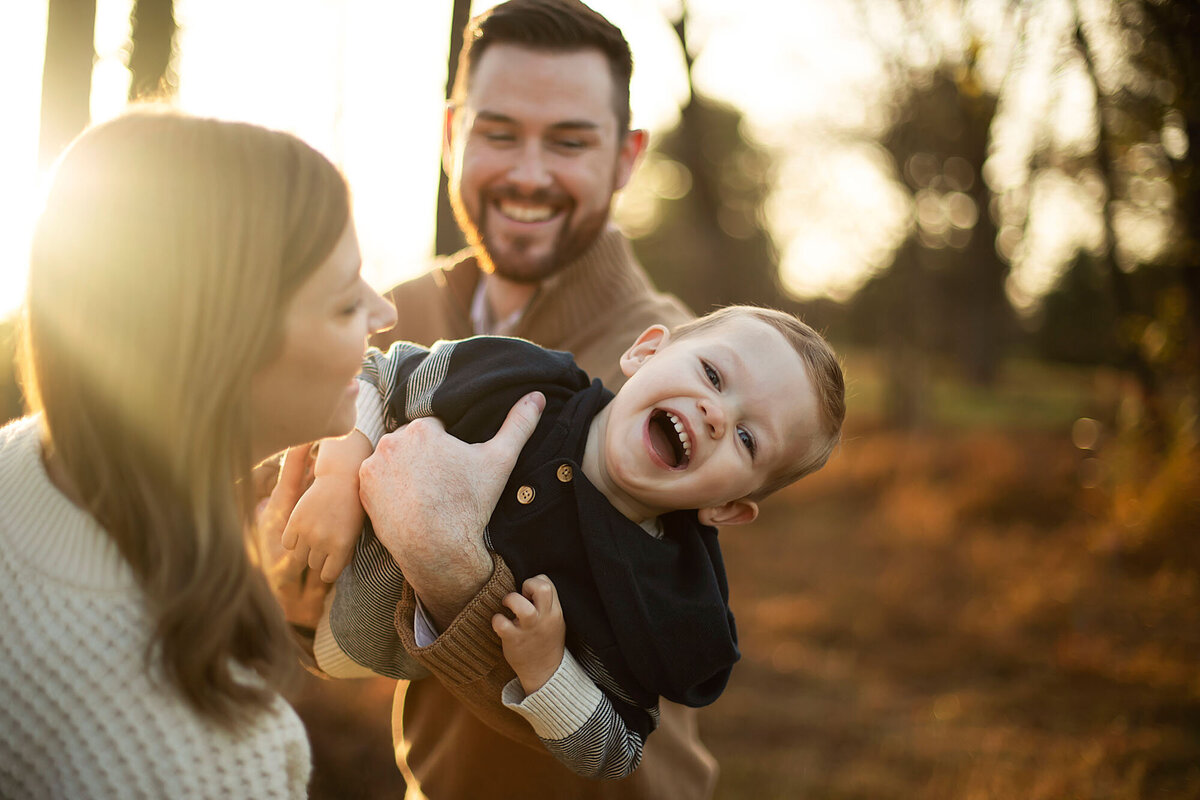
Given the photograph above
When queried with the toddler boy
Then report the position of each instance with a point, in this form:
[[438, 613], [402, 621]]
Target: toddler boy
[[610, 511]]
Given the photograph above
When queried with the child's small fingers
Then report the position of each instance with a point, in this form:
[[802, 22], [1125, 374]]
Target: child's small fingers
[[300, 552], [333, 567], [521, 608], [540, 591], [316, 560], [290, 536], [502, 625]]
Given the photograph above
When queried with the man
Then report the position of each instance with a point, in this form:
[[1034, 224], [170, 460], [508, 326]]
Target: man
[[537, 141]]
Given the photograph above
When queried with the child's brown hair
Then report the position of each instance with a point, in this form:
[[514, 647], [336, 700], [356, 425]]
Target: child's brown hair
[[823, 369]]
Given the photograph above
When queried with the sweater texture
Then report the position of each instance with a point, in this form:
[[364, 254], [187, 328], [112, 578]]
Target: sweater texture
[[82, 715]]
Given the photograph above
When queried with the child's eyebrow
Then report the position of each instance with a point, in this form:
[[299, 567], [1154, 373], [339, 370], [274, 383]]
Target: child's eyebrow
[[768, 434]]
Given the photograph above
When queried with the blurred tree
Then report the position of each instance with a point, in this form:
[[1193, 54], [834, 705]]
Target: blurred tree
[[151, 48], [944, 294], [1077, 321], [711, 246], [448, 238], [940, 143], [1142, 73], [1143, 76], [66, 75]]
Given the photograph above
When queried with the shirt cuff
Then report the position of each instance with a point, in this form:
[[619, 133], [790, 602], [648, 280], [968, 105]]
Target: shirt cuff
[[370, 411], [562, 706], [469, 648], [329, 657], [425, 632]]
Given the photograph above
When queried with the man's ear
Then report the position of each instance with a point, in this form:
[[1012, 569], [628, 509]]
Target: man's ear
[[632, 147], [650, 342], [735, 512], [448, 140]]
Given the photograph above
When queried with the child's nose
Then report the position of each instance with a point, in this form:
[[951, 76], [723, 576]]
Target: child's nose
[[714, 418]]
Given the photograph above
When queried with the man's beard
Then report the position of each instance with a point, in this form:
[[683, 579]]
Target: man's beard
[[574, 236]]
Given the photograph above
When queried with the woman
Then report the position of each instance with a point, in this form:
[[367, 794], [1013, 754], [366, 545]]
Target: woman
[[194, 306]]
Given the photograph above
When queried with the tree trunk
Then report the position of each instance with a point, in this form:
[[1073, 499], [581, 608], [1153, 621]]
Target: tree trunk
[[66, 76], [152, 23], [1119, 282], [448, 237]]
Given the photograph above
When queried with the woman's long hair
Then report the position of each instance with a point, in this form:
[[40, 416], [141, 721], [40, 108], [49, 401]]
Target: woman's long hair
[[161, 269]]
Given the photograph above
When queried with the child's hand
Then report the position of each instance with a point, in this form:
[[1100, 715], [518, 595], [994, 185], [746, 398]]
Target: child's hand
[[325, 525], [535, 639]]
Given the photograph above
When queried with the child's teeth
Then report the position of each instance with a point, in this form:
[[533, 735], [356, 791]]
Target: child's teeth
[[683, 437]]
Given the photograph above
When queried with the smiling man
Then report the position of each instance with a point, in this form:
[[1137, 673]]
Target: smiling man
[[537, 141]]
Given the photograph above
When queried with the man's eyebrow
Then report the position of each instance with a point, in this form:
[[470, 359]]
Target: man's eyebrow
[[575, 125], [494, 116], [568, 124]]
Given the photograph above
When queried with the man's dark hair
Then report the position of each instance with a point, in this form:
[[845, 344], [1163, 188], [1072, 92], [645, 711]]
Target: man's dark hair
[[554, 26]]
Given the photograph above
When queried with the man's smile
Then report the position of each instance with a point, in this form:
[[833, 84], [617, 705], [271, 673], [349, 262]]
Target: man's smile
[[526, 212]]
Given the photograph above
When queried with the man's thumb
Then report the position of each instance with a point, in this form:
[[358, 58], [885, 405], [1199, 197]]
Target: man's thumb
[[518, 426]]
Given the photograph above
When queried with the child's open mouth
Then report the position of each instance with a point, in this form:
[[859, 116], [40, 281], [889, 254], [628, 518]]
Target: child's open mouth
[[669, 439]]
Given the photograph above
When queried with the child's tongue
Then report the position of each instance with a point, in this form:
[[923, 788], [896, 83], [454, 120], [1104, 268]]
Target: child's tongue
[[664, 440]]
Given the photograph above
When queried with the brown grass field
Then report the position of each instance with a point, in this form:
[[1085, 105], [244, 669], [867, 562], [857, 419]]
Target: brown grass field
[[962, 612]]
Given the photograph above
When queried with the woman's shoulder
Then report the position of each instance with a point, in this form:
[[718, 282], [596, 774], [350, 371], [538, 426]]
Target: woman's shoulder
[[46, 538], [20, 433]]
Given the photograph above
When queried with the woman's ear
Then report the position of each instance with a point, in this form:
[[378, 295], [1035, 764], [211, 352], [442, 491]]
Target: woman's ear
[[650, 342], [735, 512]]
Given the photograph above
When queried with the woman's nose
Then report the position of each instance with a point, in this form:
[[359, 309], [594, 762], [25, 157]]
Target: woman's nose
[[382, 315]]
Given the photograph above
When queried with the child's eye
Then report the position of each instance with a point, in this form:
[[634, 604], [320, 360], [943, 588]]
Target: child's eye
[[747, 440], [353, 308], [712, 375]]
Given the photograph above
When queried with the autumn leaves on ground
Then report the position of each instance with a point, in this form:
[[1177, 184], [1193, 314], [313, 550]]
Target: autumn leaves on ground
[[952, 613], [953, 616]]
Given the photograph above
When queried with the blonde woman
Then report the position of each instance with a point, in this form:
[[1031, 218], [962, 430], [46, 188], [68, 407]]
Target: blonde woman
[[194, 306]]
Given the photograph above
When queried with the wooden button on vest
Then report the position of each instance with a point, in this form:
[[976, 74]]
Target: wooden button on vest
[[564, 473], [525, 495]]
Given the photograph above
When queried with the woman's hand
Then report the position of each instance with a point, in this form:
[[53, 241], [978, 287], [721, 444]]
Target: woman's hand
[[299, 592]]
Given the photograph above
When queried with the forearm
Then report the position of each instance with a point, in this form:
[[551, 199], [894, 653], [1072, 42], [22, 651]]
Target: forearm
[[343, 457], [467, 649], [467, 657], [359, 620], [578, 724]]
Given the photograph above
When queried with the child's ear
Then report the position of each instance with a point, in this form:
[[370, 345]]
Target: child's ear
[[650, 342], [735, 512]]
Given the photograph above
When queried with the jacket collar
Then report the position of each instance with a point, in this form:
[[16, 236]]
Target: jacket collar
[[600, 281]]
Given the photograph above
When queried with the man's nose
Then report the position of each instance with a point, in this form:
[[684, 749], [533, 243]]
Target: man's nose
[[529, 171]]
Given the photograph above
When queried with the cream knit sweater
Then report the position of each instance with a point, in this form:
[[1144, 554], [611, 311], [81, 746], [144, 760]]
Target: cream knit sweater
[[80, 714]]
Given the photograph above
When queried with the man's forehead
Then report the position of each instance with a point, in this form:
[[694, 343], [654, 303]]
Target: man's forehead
[[509, 79]]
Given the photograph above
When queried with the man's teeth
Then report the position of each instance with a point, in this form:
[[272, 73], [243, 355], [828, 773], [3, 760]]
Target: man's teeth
[[683, 436], [523, 213]]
